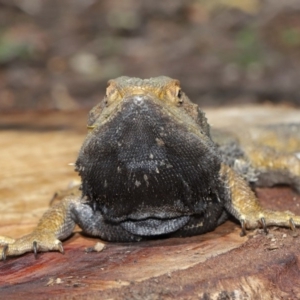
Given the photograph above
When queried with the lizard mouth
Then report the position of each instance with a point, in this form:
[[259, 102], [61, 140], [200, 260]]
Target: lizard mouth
[[154, 226]]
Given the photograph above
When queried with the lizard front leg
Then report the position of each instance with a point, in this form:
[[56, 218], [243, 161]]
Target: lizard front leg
[[243, 204], [275, 167], [55, 225]]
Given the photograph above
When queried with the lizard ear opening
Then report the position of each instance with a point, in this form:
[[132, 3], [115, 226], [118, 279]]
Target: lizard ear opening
[[110, 87], [90, 128]]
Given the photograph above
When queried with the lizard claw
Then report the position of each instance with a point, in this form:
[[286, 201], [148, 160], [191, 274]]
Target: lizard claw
[[264, 225], [5, 248], [243, 224], [293, 226], [61, 248], [35, 248], [262, 221]]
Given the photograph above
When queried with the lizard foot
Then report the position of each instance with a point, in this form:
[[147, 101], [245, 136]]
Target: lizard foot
[[268, 218], [34, 242]]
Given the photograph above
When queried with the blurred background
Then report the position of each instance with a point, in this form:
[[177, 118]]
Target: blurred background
[[59, 54]]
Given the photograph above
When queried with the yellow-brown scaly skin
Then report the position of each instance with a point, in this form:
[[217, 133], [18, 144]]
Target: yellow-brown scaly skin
[[150, 144]]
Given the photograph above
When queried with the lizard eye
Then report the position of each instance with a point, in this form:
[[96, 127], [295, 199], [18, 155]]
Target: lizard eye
[[179, 95]]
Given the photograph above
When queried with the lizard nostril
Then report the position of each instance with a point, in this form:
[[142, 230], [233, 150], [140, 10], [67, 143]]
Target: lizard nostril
[[138, 100]]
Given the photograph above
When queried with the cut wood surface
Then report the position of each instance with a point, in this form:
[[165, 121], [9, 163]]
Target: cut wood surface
[[35, 150]]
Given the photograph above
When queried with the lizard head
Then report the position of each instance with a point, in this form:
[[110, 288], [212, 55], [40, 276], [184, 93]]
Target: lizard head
[[163, 91], [148, 153]]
